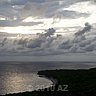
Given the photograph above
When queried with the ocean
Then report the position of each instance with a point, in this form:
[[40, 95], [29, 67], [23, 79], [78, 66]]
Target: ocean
[[22, 76]]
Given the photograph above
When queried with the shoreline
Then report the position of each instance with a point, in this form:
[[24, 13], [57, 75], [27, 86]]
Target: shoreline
[[54, 81], [76, 80]]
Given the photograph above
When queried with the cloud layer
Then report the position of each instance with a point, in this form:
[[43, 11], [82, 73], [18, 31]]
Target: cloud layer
[[65, 26], [17, 10], [48, 43]]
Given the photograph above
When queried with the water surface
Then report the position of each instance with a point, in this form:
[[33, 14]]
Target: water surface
[[22, 76]]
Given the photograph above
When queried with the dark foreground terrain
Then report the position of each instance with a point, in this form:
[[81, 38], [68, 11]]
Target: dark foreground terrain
[[70, 83]]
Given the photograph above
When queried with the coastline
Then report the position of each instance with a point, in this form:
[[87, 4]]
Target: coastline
[[80, 83], [55, 81]]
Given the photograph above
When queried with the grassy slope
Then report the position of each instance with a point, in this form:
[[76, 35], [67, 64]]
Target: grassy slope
[[80, 83]]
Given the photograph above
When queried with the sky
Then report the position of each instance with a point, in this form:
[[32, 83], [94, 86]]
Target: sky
[[47, 27], [35, 16]]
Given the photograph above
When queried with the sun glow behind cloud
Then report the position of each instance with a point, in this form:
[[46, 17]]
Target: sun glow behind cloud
[[21, 30]]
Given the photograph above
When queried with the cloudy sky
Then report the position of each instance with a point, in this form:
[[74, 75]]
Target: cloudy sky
[[33, 16], [65, 27]]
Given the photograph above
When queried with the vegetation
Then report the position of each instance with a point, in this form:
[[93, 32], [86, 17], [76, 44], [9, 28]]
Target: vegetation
[[70, 83]]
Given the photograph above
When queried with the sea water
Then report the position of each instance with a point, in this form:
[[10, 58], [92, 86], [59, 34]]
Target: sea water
[[18, 77]]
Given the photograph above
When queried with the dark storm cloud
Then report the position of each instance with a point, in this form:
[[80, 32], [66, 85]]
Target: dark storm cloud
[[65, 45], [43, 39], [84, 30], [49, 32]]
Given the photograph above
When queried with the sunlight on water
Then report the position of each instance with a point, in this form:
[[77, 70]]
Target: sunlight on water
[[14, 82], [20, 77]]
